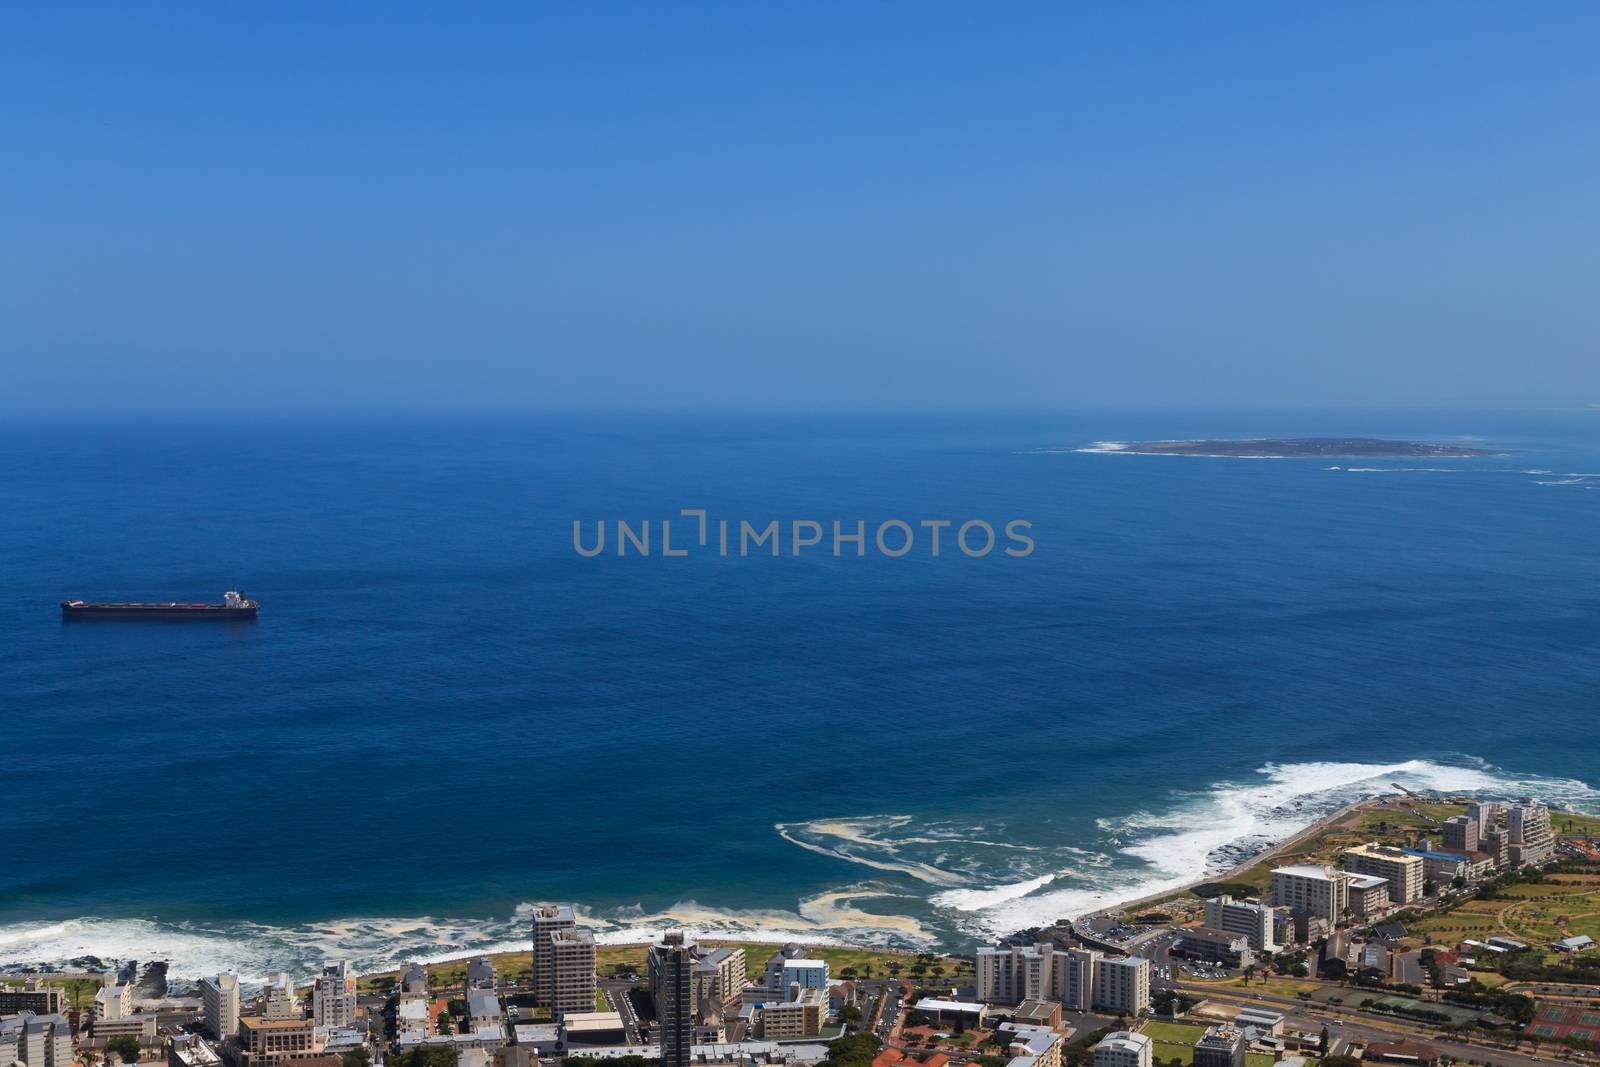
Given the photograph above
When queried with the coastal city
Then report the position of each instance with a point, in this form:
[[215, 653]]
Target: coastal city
[[1405, 930]]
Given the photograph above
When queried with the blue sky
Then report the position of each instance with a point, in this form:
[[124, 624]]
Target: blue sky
[[750, 206]]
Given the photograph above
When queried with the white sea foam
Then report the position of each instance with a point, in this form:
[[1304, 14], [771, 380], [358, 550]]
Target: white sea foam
[[252, 949], [979, 880], [1210, 832]]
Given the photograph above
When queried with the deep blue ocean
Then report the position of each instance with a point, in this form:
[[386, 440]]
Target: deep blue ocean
[[445, 713]]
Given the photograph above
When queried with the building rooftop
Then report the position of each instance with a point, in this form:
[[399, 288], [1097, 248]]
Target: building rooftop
[[579, 1022], [255, 1022], [1306, 870], [937, 1004]]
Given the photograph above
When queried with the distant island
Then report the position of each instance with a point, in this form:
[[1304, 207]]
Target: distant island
[[1285, 447]]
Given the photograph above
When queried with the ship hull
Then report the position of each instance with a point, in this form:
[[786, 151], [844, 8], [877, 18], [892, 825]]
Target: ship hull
[[164, 612]]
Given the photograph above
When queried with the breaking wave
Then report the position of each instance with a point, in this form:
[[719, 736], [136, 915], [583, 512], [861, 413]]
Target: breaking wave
[[935, 883]]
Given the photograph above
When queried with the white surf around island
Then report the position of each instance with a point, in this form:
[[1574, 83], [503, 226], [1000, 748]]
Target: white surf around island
[[930, 883]]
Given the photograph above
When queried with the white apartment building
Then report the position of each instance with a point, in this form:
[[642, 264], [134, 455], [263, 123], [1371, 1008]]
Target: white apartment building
[[36, 1040], [278, 1000], [1248, 917], [1528, 827], [1124, 1049], [219, 1005], [1080, 979], [1318, 891], [114, 1003], [1122, 986], [1404, 872], [333, 996]]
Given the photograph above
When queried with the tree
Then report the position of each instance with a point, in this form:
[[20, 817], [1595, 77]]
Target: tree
[[357, 1057], [124, 1045], [464, 1025], [1322, 1046]]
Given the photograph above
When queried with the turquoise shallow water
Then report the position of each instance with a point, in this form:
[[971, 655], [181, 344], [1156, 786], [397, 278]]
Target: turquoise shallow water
[[445, 713]]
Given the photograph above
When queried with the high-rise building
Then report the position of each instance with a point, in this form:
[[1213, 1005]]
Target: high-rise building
[[114, 1002], [1460, 834], [1080, 979], [1311, 890], [279, 1000], [219, 1005], [1122, 986], [1403, 871], [1248, 917], [1528, 828], [1484, 814], [333, 996], [36, 1040], [1220, 1046], [549, 920], [719, 976], [1012, 974], [673, 958], [572, 965], [1072, 980], [1124, 1049]]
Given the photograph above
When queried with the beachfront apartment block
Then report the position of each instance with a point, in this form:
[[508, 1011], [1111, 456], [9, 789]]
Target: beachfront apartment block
[[672, 961], [1079, 979], [1404, 872], [1460, 834], [1015, 973], [719, 976], [219, 1005], [1122, 986], [333, 996], [36, 1040], [278, 999], [572, 977], [1368, 894], [1531, 838], [1251, 918], [1124, 1049], [549, 920], [1311, 890]]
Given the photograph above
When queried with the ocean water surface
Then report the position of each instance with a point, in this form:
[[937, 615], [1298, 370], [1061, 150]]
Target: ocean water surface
[[445, 713]]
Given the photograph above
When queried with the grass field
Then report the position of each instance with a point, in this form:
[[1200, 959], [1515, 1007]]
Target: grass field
[[1562, 905], [1283, 987]]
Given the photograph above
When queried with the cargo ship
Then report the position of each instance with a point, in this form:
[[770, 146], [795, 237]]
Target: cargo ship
[[233, 606]]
